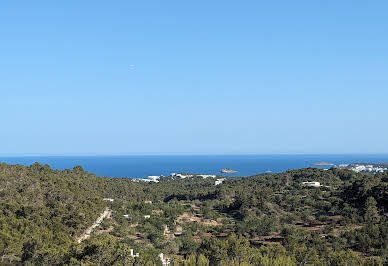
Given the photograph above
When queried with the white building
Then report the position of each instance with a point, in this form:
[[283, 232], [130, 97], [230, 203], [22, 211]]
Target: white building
[[108, 199], [151, 178], [126, 216], [311, 184], [133, 255], [219, 181], [147, 216], [359, 168], [154, 178], [164, 259], [207, 176], [182, 176]]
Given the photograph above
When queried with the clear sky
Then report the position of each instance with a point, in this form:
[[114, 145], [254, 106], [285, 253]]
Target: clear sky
[[193, 77]]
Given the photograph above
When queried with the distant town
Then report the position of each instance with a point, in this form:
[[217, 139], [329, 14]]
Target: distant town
[[356, 167], [364, 167], [174, 176]]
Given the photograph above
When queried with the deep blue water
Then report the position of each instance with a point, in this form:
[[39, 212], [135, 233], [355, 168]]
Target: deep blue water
[[142, 166]]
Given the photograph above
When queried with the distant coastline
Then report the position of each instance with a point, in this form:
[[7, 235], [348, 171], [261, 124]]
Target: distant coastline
[[141, 166]]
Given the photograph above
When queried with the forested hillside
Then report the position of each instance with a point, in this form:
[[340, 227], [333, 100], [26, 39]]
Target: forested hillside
[[43, 210], [269, 219]]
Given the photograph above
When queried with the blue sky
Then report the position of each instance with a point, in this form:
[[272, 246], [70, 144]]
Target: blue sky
[[209, 77]]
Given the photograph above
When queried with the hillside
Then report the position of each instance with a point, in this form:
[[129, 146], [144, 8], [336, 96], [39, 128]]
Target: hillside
[[269, 219]]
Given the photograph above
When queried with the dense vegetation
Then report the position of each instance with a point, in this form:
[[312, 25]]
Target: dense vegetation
[[268, 219]]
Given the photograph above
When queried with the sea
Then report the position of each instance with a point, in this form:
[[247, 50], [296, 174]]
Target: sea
[[140, 166]]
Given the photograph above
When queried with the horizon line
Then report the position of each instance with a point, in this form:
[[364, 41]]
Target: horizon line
[[175, 154]]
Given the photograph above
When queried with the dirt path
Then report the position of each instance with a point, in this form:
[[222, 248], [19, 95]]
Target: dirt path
[[88, 231]]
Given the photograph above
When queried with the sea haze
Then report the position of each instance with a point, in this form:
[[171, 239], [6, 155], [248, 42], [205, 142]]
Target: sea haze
[[142, 166]]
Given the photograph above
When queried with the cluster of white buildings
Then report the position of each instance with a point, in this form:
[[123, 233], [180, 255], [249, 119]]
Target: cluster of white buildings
[[156, 178], [368, 168], [149, 179], [183, 176]]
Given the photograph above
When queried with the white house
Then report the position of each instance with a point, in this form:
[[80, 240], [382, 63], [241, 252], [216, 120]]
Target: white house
[[207, 176], [219, 181], [149, 179], [154, 178], [133, 255], [181, 176], [311, 184], [147, 216], [126, 216], [164, 259], [108, 199]]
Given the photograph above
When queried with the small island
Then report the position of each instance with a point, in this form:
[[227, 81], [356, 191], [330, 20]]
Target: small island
[[323, 164], [228, 170]]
